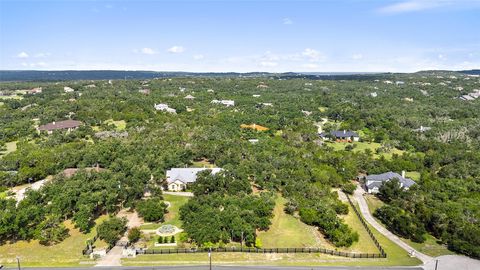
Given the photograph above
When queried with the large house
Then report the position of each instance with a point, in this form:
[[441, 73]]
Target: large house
[[68, 125], [375, 181], [341, 135], [179, 178]]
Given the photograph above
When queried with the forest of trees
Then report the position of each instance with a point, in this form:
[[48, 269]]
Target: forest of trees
[[289, 158]]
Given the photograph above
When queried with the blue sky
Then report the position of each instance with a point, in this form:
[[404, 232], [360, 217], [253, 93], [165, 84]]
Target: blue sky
[[276, 36]]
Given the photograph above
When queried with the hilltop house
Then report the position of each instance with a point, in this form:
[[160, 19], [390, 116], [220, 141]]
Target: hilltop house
[[341, 136], [225, 102], [68, 125], [179, 178], [375, 181], [164, 107], [68, 89]]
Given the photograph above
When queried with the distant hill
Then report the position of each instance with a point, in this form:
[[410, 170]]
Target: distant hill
[[66, 75]]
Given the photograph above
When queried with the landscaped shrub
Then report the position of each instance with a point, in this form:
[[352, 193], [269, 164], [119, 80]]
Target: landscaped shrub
[[172, 239], [134, 234]]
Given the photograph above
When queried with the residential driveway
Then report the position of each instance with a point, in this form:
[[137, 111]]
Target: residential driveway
[[362, 203], [20, 194], [453, 262], [113, 258], [179, 193]]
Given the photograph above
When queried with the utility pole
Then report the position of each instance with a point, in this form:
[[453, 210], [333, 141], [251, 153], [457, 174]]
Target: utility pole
[[18, 263], [210, 257], [436, 264]]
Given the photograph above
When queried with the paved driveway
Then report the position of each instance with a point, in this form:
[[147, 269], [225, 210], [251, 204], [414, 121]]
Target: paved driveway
[[362, 203]]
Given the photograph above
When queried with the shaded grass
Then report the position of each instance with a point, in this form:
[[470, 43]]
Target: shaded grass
[[11, 147], [430, 246], [173, 215], [362, 146], [120, 124], [373, 202], [66, 253], [287, 231], [414, 175]]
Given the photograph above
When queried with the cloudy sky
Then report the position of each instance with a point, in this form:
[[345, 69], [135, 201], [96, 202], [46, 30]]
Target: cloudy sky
[[235, 35]]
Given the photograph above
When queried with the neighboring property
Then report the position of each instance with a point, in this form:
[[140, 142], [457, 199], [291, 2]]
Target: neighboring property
[[375, 181], [35, 90], [145, 91], [225, 102], [422, 129], [68, 89], [255, 127], [189, 97], [341, 136], [68, 125], [179, 178], [164, 107]]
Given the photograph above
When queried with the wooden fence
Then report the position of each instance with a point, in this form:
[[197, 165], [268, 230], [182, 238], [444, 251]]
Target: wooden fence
[[261, 250], [375, 241]]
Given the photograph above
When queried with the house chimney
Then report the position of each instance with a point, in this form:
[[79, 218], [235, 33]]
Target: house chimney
[[403, 174], [344, 131]]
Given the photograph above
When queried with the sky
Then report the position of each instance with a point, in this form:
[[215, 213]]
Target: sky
[[240, 35]]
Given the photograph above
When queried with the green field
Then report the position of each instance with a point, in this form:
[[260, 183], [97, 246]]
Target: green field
[[11, 97], [172, 217], [430, 246], [373, 202], [66, 253], [120, 125], [362, 146], [288, 231], [11, 147], [414, 175]]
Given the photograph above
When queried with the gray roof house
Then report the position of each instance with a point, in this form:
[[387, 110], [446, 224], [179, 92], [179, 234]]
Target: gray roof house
[[375, 181], [344, 135], [179, 178]]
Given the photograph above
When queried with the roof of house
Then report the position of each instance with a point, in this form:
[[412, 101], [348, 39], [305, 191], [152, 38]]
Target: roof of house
[[254, 126], [187, 175], [60, 125], [376, 180], [340, 134]]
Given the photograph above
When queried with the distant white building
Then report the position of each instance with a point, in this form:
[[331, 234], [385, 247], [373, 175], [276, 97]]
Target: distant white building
[[189, 97], [164, 107], [399, 82], [374, 94], [255, 95], [179, 178], [225, 102], [68, 89]]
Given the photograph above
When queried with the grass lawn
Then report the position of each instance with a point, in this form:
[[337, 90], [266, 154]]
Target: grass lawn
[[3, 195], [430, 246], [11, 97], [287, 231], [414, 175], [362, 146], [11, 147], [202, 163], [66, 253], [121, 124], [373, 202], [172, 217]]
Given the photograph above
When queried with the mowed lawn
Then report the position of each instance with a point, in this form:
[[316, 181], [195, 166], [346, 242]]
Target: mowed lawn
[[11, 147], [287, 231], [173, 215], [66, 253], [120, 124], [362, 146]]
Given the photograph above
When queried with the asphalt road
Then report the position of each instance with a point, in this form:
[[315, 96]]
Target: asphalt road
[[215, 267]]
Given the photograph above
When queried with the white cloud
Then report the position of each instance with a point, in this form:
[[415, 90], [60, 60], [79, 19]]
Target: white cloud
[[149, 51], [176, 49], [310, 66], [287, 21], [268, 64], [417, 5], [442, 57], [313, 55], [198, 57], [357, 56], [22, 55], [42, 55]]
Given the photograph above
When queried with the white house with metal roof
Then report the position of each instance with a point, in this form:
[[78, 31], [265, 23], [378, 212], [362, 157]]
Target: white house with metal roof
[[373, 182], [179, 178]]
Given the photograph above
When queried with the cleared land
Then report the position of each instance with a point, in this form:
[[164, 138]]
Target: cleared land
[[66, 253], [362, 146], [11, 147], [120, 124], [288, 231]]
